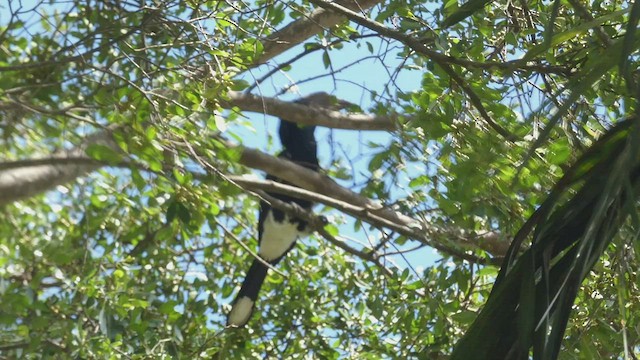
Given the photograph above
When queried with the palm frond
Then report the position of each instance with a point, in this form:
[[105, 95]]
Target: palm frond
[[531, 301]]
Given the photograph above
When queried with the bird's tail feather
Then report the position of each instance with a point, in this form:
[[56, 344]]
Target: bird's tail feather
[[244, 302]]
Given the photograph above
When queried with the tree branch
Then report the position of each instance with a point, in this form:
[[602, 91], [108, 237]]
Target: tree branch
[[24, 182], [418, 46], [431, 236], [309, 115], [306, 27], [53, 160], [64, 167]]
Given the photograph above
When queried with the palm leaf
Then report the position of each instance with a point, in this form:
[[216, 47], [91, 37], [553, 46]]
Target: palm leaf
[[530, 303]]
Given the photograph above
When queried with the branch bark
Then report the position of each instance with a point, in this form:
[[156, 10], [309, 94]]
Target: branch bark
[[456, 239], [24, 182], [309, 115], [306, 27]]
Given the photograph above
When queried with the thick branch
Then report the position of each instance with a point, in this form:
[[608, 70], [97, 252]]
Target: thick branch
[[52, 160], [306, 27], [25, 182], [434, 237], [309, 115], [407, 226], [357, 211]]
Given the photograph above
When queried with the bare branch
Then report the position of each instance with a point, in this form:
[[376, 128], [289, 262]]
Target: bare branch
[[432, 236], [24, 182], [53, 160], [309, 115], [306, 27]]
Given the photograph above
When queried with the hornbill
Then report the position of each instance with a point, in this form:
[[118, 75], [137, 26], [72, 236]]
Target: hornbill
[[278, 231]]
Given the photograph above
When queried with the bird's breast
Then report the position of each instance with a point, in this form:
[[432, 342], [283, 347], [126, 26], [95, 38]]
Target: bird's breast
[[278, 236]]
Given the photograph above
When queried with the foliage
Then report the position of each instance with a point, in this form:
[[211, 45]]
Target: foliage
[[532, 298], [141, 257]]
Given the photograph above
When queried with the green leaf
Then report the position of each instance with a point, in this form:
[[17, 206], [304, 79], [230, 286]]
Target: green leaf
[[464, 317], [467, 9], [559, 152], [332, 230], [104, 153], [172, 211], [572, 33], [239, 84], [369, 47], [326, 60], [183, 213]]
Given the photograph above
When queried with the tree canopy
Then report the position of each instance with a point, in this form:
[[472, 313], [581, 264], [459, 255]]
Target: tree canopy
[[136, 135]]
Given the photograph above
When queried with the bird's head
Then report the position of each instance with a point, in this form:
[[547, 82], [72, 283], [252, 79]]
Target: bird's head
[[324, 100]]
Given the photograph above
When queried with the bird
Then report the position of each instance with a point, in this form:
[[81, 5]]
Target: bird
[[278, 231]]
